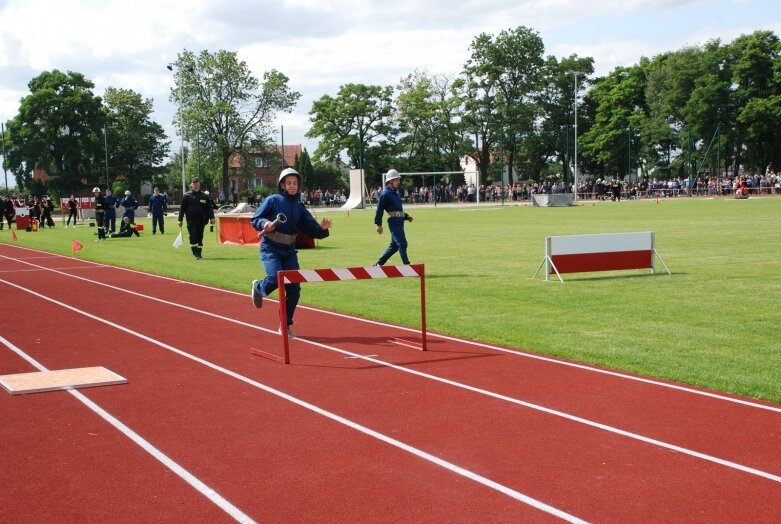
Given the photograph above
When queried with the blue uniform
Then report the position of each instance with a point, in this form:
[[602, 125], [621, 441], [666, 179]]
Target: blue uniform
[[278, 248], [390, 202], [110, 213], [158, 206], [130, 204]]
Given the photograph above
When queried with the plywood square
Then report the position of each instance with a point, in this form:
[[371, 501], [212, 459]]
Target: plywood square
[[60, 379]]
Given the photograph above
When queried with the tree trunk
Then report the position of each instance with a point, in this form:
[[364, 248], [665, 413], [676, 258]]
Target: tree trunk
[[225, 178]]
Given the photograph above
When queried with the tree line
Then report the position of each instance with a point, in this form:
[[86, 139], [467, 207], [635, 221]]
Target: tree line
[[709, 109]]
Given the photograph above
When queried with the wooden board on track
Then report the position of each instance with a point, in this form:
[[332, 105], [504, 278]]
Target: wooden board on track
[[60, 379]]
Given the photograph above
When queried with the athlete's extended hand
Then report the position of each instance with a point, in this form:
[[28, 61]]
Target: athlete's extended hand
[[408, 218], [326, 223], [379, 230]]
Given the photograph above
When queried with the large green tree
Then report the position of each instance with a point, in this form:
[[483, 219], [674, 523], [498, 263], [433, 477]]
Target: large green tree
[[756, 73], [428, 116], [351, 122], [224, 108], [620, 98], [504, 75], [136, 144], [554, 137], [58, 129]]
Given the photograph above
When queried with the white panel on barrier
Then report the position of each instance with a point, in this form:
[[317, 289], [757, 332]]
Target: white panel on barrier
[[611, 242], [344, 274]]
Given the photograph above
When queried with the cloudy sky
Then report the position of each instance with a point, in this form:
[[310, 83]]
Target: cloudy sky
[[323, 44]]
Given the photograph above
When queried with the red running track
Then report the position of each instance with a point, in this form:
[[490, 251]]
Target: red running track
[[356, 429]]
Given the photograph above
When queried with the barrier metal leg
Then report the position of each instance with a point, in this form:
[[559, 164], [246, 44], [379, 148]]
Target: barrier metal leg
[[285, 358], [423, 306], [283, 318]]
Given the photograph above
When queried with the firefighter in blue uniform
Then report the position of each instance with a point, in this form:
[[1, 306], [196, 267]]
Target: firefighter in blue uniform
[[158, 207], [390, 202], [110, 212], [130, 204], [198, 210], [278, 244]]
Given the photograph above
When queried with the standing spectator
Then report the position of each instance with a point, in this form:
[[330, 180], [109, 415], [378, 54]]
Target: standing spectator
[[158, 206], [8, 211], [615, 186], [198, 209], [34, 205], [2, 212], [130, 204], [221, 198], [110, 212], [73, 206], [278, 246], [47, 208], [390, 202], [100, 207]]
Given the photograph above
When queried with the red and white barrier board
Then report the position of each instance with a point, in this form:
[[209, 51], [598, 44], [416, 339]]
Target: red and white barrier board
[[602, 252], [297, 276]]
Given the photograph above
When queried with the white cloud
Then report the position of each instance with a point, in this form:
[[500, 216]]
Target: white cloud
[[323, 44]]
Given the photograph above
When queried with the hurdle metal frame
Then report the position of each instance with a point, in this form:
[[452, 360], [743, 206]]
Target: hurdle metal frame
[[297, 276]]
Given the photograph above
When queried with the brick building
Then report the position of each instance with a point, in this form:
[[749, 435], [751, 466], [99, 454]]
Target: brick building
[[266, 167]]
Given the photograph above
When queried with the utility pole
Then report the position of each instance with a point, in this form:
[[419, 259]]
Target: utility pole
[[105, 150], [575, 104], [5, 172], [170, 67]]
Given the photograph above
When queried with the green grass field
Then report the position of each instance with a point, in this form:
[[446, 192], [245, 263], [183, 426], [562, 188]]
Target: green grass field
[[716, 322]]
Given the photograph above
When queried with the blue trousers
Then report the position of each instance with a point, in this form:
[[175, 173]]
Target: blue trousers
[[277, 258], [157, 221], [398, 242]]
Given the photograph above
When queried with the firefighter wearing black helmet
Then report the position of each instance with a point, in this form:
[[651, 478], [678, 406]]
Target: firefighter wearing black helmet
[[278, 244]]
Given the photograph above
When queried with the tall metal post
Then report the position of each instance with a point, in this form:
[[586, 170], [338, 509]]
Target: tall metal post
[[575, 104], [105, 150], [629, 156], [5, 172]]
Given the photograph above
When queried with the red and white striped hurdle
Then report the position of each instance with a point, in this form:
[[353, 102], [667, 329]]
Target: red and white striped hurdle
[[296, 276], [602, 252]]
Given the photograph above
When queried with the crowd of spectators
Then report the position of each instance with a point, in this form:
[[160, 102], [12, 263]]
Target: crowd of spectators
[[588, 189]]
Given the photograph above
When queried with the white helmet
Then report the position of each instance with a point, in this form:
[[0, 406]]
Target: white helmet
[[96, 189], [392, 174], [127, 192], [285, 173]]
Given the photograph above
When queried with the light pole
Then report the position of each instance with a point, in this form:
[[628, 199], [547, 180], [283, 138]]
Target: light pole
[[629, 156], [575, 104], [5, 172], [170, 67], [105, 150]]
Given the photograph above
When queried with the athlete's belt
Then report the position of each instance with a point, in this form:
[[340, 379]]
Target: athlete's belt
[[281, 238], [398, 214]]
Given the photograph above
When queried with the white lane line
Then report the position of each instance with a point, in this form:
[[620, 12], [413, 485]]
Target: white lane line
[[514, 352], [341, 420], [164, 459], [537, 407]]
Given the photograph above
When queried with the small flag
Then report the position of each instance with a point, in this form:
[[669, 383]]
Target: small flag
[[14, 238], [75, 247], [179, 241]]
